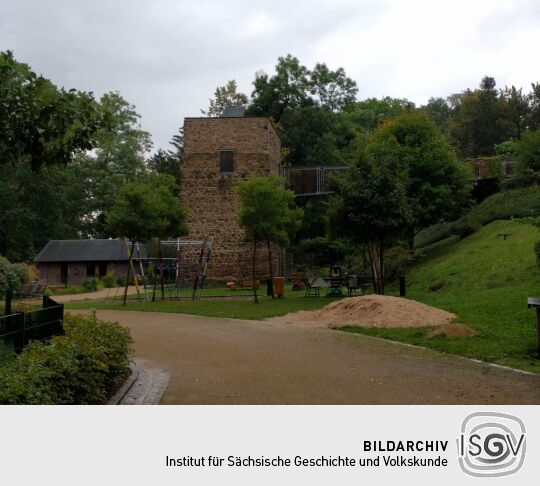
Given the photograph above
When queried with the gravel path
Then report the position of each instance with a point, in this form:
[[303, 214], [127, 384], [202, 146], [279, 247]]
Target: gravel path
[[230, 361]]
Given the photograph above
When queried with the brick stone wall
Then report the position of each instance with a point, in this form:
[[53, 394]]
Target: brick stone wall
[[210, 198]]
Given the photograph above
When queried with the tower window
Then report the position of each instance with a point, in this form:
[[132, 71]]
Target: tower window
[[226, 162]]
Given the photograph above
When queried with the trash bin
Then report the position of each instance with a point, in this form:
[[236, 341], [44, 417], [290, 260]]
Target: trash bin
[[279, 286]]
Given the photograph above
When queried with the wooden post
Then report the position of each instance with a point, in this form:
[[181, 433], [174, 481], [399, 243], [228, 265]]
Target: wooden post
[[534, 302], [9, 296], [538, 329]]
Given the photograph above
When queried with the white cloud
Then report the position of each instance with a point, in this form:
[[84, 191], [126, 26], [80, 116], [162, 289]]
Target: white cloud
[[167, 56]]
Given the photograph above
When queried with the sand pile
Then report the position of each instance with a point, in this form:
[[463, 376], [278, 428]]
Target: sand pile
[[371, 311]]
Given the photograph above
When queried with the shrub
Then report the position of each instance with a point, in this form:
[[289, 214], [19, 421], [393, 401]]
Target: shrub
[[108, 280], [397, 260], [121, 280], [464, 228], [90, 284], [9, 276], [83, 367]]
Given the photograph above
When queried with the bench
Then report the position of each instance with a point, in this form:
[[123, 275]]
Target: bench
[[30, 291], [248, 283]]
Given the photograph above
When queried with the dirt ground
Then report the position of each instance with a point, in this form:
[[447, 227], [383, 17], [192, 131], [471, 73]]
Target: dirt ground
[[230, 361]]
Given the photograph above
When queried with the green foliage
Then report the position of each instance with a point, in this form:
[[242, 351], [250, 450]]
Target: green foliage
[[517, 203], [482, 119], [121, 280], [83, 367], [108, 280], [267, 214], [12, 275], [367, 115], [119, 158], [306, 106], [166, 162], [321, 251], [90, 284], [436, 185], [225, 97], [40, 124], [267, 210], [370, 204], [529, 151], [146, 209]]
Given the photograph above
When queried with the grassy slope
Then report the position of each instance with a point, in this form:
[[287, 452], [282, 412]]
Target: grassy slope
[[516, 203], [485, 280]]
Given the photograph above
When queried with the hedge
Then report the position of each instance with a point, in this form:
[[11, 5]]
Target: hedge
[[85, 366]]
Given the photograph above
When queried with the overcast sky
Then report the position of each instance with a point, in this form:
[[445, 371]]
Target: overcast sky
[[167, 56]]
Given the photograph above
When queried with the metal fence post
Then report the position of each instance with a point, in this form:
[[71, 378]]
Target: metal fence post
[[7, 307]]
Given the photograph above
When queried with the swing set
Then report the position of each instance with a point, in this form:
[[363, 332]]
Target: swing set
[[180, 265]]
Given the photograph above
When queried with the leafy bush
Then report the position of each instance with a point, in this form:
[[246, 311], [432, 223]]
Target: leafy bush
[[9, 276], [397, 259], [83, 367], [465, 227], [90, 284], [108, 280]]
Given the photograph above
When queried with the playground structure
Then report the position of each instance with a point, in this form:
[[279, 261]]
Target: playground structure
[[180, 265]]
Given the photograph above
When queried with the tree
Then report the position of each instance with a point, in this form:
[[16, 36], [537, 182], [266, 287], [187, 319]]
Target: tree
[[528, 150], [438, 111], [288, 88], [119, 158], [225, 97], [36, 206], [480, 120], [370, 208], [39, 123], [436, 184], [267, 214], [143, 210], [333, 89]]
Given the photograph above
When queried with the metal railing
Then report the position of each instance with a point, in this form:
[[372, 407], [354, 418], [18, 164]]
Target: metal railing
[[309, 180], [19, 328]]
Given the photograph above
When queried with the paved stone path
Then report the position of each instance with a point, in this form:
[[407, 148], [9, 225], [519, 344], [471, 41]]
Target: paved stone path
[[230, 361]]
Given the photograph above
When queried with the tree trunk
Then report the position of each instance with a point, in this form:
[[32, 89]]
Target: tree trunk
[[375, 261], [160, 250], [255, 297], [129, 270], [270, 268]]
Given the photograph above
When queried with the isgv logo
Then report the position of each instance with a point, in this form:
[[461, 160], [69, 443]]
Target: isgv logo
[[491, 444]]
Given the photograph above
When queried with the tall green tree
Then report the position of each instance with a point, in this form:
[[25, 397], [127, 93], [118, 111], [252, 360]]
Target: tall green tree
[[120, 157], [41, 124], [370, 208], [268, 215], [143, 210], [480, 120], [225, 97], [436, 184]]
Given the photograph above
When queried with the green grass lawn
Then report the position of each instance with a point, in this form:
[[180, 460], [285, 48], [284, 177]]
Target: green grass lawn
[[485, 281], [238, 309]]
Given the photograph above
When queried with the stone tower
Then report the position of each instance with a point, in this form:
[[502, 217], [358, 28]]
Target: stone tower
[[218, 153]]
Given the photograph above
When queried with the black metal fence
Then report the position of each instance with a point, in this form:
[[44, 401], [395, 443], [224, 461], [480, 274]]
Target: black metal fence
[[18, 329]]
